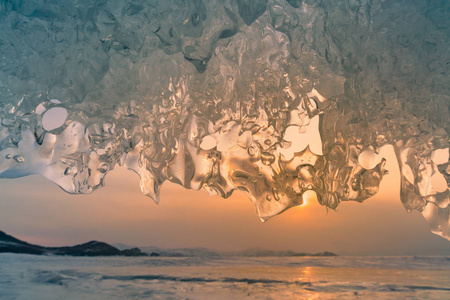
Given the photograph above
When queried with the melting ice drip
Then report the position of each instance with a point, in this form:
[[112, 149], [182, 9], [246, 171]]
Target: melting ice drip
[[278, 99]]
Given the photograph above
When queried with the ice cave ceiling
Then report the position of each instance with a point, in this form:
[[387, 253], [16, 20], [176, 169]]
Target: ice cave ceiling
[[274, 98]]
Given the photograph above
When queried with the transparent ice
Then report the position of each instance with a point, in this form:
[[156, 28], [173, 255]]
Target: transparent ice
[[273, 98]]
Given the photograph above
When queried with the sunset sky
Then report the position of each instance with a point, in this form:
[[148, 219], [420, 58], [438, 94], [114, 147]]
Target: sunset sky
[[36, 210]]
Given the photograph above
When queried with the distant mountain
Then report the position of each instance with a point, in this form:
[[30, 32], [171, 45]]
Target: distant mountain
[[121, 246], [177, 252], [260, 252], [182, 252], [94, 248], [204, 252]]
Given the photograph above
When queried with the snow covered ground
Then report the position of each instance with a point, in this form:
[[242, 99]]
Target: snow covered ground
[[47, 277]]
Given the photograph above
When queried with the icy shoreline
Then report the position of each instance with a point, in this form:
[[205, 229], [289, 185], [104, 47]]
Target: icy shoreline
[[43, 277]]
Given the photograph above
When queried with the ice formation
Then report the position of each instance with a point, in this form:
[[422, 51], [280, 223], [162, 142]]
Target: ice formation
[[275, 98]]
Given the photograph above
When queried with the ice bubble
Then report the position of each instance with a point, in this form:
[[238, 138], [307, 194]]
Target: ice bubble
[[208, 143], [54, 118], [368, 159]]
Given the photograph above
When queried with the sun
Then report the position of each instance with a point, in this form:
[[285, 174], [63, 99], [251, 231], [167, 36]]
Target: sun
[[308, 197]]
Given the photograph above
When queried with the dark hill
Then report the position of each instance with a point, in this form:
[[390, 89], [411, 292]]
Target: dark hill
[[12, 245]]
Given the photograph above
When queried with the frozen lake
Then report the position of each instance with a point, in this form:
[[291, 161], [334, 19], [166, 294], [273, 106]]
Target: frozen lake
[[44, 277]]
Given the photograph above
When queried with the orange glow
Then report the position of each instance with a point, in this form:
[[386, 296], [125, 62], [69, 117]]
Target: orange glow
[[308, 197]]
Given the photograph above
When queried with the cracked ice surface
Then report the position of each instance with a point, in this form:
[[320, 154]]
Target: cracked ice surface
[[272, 98]]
